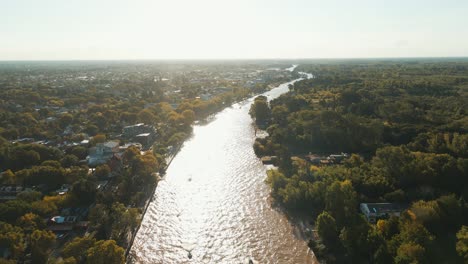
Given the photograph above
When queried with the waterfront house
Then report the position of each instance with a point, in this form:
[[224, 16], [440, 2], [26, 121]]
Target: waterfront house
[[269, 159], [134, 130], [376, 211], [141, 133]]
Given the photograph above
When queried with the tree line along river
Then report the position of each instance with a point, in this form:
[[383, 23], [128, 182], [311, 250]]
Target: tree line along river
[[213, 203]]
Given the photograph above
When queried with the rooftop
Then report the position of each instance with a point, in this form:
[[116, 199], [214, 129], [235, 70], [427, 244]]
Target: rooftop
[[136, 125], [382, 207]]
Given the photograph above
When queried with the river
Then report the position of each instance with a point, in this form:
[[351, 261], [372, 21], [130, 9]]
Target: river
[[214, 203]]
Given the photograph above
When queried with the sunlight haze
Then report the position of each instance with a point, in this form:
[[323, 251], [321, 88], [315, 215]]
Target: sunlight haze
[[209, 29]]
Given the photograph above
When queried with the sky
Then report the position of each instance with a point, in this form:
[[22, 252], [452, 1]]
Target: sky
[[234, 29]]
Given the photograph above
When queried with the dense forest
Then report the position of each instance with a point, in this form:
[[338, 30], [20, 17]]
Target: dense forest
[[404, 124]]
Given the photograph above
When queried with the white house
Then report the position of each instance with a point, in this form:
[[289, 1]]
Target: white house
[[376, 211]]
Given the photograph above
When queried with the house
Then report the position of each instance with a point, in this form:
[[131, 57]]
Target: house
[[64, 189], [131, 144], [325, 161], [9, 192], [145, 139], [102, 153], [315, 159], [141, 133], [61, 223], [376, 211], [337, 158], [134, 130], [62, 220], [269, 159]]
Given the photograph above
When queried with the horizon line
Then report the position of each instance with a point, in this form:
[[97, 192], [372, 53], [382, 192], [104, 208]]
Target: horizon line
[[237, 59]]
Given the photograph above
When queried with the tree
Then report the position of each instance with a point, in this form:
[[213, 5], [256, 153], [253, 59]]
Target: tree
[[414, 232], [69, 160], [354, 238], [176, 139], [41, 242], [70, 260], [341, 201], [99, 138], [377, 247], [11, 210], [53, 176], [388, 228], [30, 221], [52, 163], [78, 247], [91, 129], [12, 238], [260, 110], [146, 116], [143, 167], [123, 220], [7, 261], [130, 153], [326, 228], [7, 177], [48, 205], [280, 114], [276, 180], [102, 171], [29, 196], [65, 120], [189, 116], [105, 251], [395, 163], [462, 243], [84, 191], [79, 151], [409, 253], [100, 219], [24, 158]]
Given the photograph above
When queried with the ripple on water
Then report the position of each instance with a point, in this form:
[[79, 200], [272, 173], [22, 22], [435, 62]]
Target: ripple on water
[[223, 214]]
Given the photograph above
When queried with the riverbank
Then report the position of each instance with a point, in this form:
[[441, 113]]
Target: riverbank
[[148, 201], [303, 226], [213, 202], [169, 160]]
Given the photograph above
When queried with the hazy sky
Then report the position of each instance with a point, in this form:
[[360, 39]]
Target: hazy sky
[[218, 29]]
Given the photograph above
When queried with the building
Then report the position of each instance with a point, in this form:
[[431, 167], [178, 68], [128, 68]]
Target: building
[[269, 160], [8, 192], [145, 139], [102, 153], [137, 129], [315, 159], [338, 158], [131, 144], [376, 211], [64, 189], [141, 133]]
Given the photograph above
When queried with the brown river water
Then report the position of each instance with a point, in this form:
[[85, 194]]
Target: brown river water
[[214, 203]]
